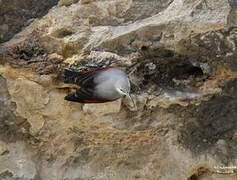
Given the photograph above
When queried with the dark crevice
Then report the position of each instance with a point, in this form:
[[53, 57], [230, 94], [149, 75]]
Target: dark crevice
[[144, 48], [6, 175], [64, 33], [199, 174], [16, 14], [31, 54], [193, 177], [190, 70], [166, 69]]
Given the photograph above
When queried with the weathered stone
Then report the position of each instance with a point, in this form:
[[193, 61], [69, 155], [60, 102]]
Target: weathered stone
[[17, 163], [131, 104], [67, 2], [102, 109], [18, 14], [29, 107], [3, 148]]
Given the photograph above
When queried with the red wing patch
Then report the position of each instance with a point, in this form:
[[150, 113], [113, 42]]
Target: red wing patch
[[96, 69], [93, 101], [97, 101]]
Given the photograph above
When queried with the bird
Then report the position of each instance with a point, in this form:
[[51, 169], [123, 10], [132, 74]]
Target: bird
[[98, 85]]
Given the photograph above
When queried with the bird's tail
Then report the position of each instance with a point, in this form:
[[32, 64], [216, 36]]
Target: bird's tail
[[70, 76]]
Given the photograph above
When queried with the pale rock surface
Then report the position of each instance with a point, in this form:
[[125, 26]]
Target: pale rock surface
[[3, 147], [18, 163], [102, 109]]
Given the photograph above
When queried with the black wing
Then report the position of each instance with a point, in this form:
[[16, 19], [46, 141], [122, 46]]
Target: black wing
[[84, 95], [85, 80]]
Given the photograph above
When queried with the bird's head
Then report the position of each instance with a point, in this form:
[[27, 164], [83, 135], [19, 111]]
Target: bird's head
[[123, 88], [123, 92]]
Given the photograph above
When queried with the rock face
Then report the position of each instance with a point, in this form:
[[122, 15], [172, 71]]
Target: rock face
[[181, 58], [19, 13]]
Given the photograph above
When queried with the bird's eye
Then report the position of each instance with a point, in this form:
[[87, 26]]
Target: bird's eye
[[123, 92]]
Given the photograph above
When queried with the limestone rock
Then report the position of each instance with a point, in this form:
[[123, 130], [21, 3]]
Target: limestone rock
[[67, 2], [17, 163], [17, 14], [103, 109], [3, 148], [29, 107]]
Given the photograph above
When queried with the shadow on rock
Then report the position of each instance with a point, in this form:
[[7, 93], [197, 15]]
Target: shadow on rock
[[211, 127]]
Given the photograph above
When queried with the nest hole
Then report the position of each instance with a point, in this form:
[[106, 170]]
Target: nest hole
[[187, 69], [144, 48]]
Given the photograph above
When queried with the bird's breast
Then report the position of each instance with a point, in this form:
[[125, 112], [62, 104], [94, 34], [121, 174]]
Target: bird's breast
[[106, 83], [107, 90]]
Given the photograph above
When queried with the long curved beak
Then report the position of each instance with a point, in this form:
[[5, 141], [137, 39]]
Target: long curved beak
[[134, 105]]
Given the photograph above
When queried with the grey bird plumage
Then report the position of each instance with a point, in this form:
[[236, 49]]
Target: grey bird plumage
[[112, 84], [98, 85]]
